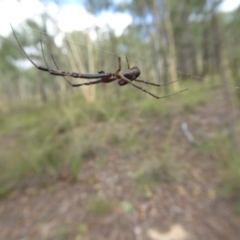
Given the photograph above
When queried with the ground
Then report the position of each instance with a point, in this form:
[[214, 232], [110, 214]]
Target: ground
[[134, 196]]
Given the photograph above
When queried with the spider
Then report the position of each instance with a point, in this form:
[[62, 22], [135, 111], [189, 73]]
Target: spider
[[102, 77]]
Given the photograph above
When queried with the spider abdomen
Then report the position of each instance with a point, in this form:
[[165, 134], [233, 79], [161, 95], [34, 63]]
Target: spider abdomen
[[132, 74]]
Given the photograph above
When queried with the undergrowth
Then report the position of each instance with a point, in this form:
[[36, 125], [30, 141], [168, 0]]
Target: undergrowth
[[43, 141], [228, 163]]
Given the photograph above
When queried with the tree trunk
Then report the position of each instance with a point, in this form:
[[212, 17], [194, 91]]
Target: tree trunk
[[205, 51], [159, 47], [225, 87], [171, 46]]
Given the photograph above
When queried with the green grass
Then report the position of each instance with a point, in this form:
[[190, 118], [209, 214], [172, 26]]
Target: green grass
[[99, 207], [69, 232], [198, 94], [158, 169], [230, 171], [155, 172], [227, 157], [41, 141]]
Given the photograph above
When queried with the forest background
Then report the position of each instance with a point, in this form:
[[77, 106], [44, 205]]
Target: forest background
[[118, 145]]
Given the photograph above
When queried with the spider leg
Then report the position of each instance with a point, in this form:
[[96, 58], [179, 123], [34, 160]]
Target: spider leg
[[169, 95], [86, 83], [79, 84], [58, 72], [116, 75], [43, 53], [144, 90], [127, 63], [153, 95], [58, 69], [142, 81], [107, 80], [119, 66], [127, 80], [154, 84], [30, 60], [103, 80], [159, 85]]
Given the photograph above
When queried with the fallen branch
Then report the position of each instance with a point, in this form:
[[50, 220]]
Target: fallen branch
[[188, 134]]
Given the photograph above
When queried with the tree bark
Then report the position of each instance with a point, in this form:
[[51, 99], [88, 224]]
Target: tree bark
[[225, 87], [171, 46]]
